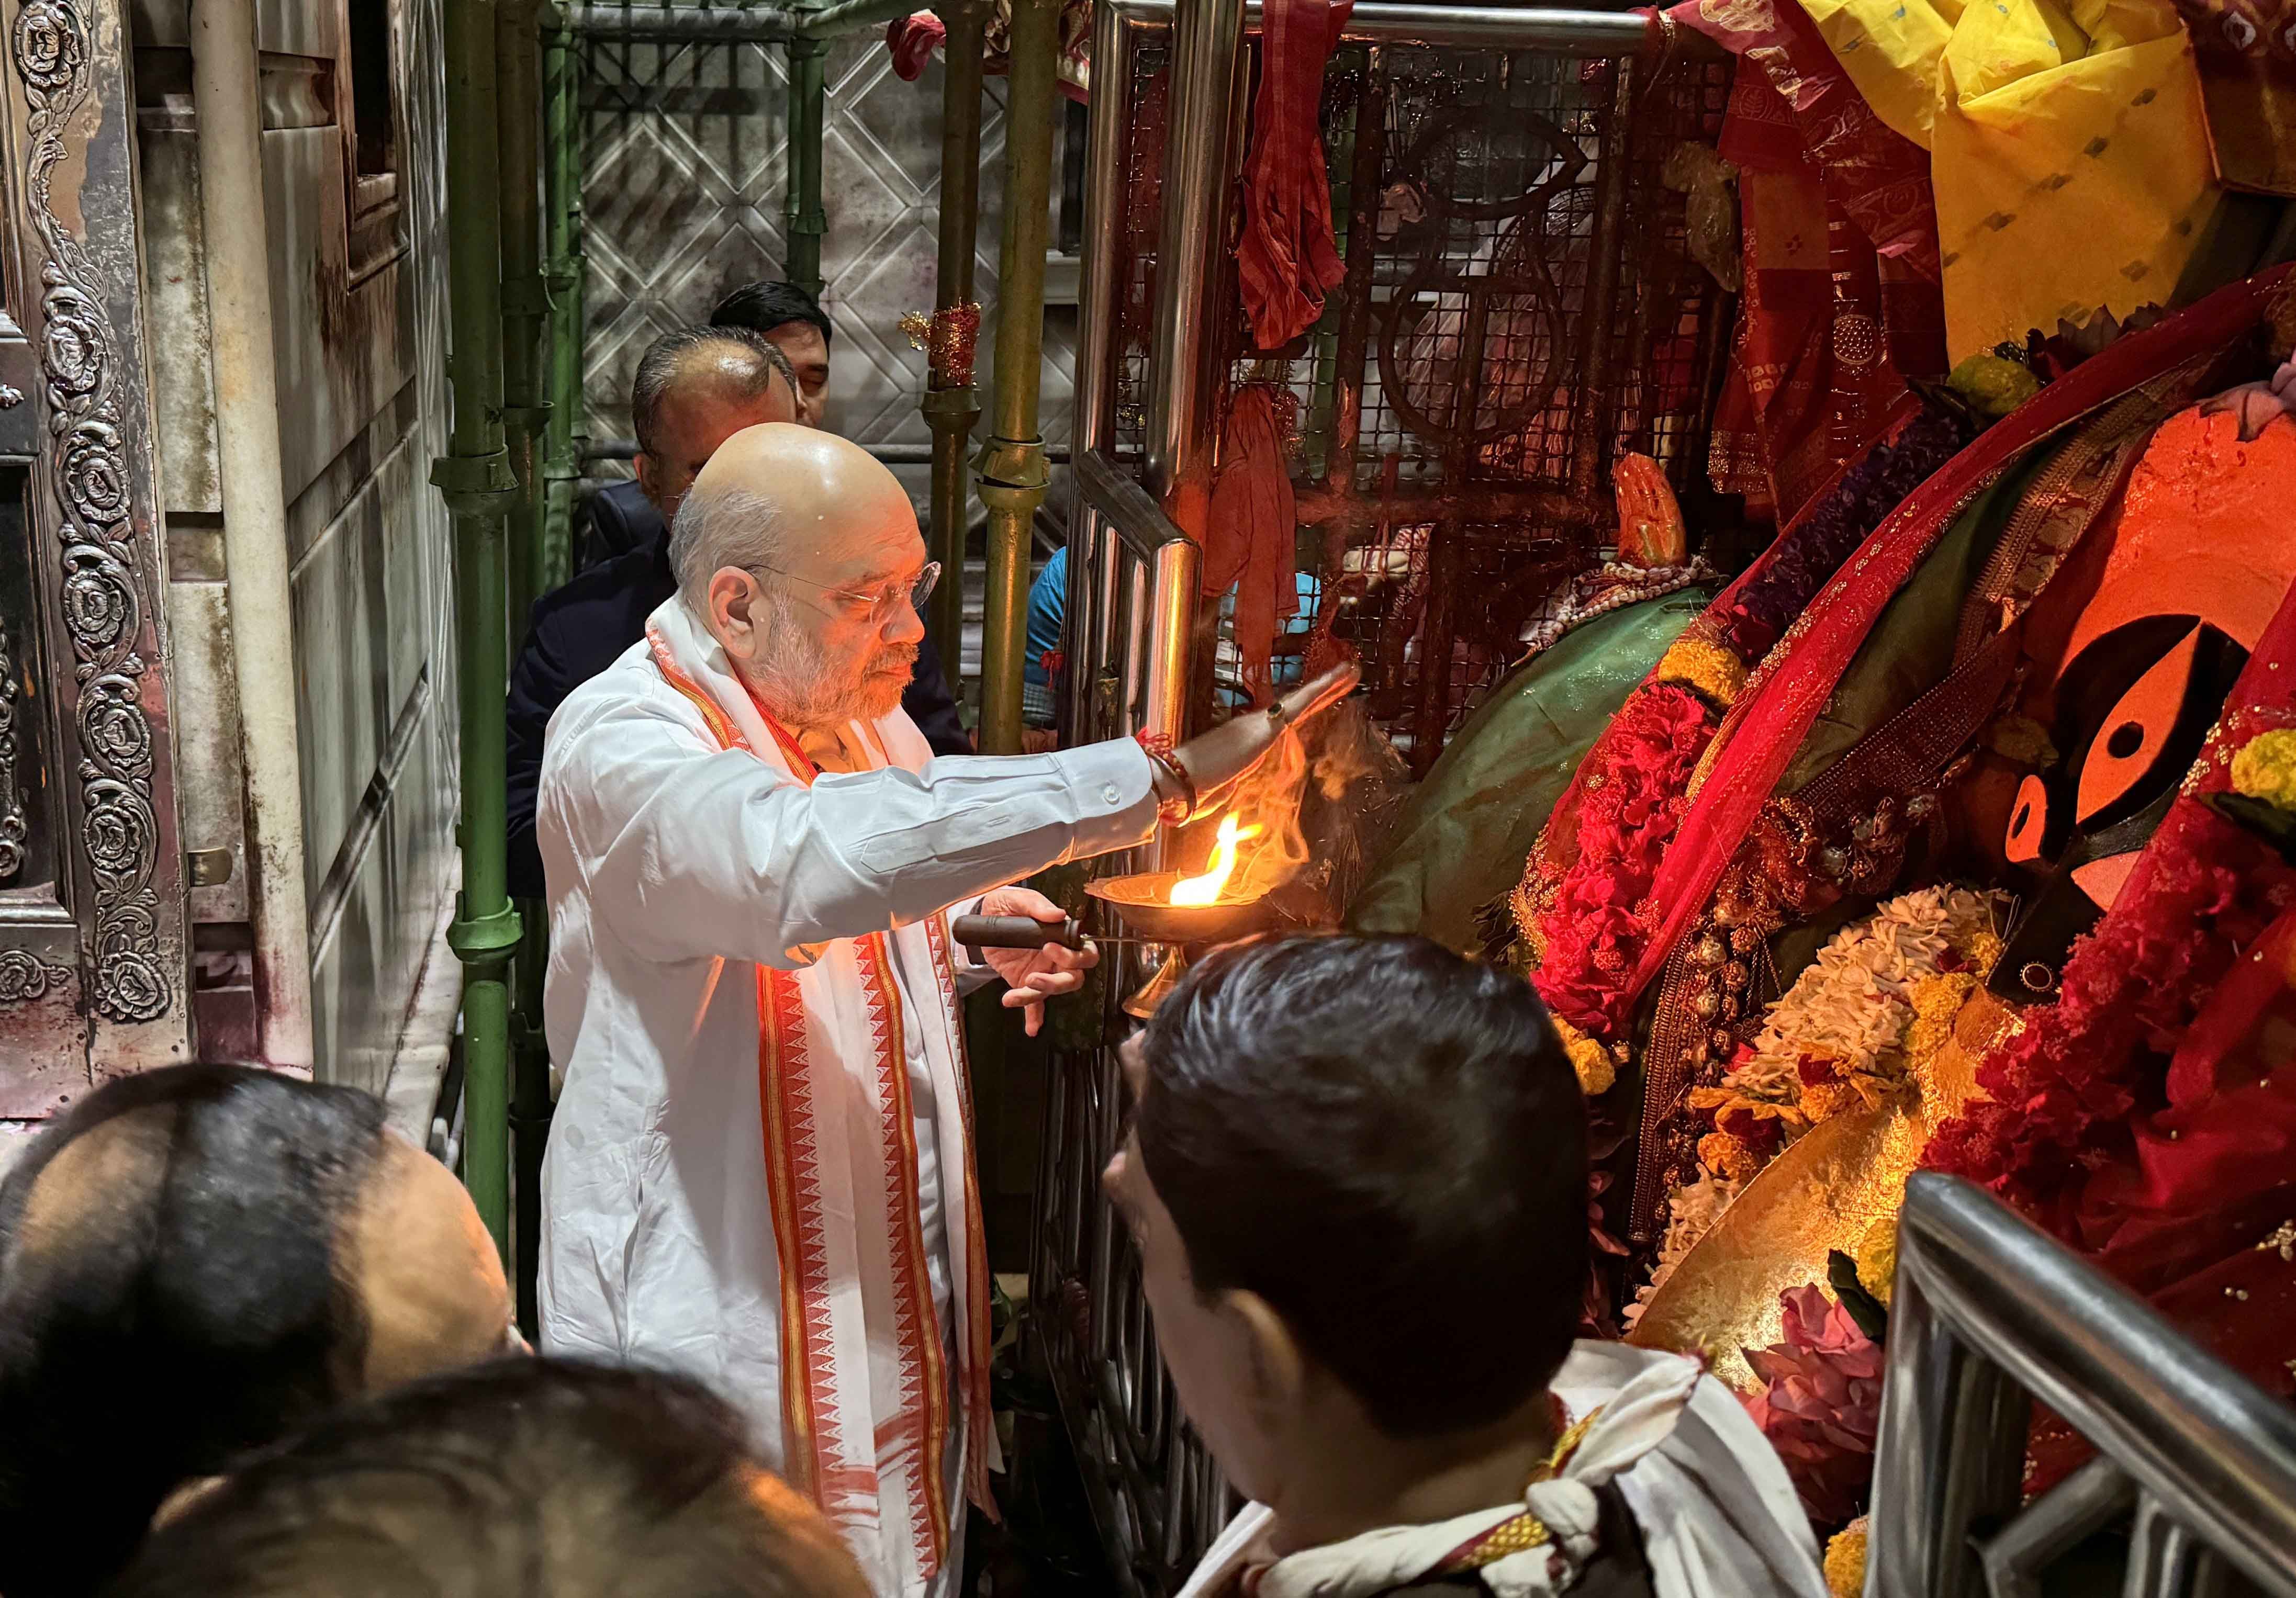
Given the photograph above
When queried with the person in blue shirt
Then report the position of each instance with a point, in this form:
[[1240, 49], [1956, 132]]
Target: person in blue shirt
[[1048, 600], [1048, 603]]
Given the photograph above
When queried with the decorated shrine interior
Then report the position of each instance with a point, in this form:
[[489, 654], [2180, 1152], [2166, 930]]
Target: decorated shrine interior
[[1804, 485]]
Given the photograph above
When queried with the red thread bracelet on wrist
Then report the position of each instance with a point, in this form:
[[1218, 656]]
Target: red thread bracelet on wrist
[[1158, 746]]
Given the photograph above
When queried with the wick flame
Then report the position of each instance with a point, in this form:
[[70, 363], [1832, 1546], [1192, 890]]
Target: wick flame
[[1206, 890]]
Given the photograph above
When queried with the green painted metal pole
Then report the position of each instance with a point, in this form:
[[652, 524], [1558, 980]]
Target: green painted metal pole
[[951, 405], [479, 489], [1011, 465], [561, 464], [518, 126], [808, 89]]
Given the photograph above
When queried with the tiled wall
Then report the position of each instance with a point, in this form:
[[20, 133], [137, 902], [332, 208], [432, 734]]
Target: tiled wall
[[360, 339], [684, 191]]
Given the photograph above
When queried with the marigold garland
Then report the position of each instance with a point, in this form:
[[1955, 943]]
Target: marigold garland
[[1612, 867], [1849, 1034], [1593, 1062], [1845, 1560], [2265, 769], [1700, 663]]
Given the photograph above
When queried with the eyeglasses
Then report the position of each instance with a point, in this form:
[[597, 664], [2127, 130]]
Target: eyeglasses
[[916, 592]]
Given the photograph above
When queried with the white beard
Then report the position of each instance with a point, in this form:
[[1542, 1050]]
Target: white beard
[[790, 675]]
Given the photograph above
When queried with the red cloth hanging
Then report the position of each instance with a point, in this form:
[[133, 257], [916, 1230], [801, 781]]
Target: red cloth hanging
[[1253, 523], [1287, 257], [913, 39]]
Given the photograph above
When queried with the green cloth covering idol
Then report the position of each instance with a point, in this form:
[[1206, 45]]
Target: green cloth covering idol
[[1462, 839]]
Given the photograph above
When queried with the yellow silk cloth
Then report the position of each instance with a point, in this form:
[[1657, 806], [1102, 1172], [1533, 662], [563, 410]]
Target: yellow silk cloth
[[2069, 153]]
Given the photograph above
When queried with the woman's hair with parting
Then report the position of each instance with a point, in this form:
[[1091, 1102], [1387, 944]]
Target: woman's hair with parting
[[1387, 1143], [175, 1289]]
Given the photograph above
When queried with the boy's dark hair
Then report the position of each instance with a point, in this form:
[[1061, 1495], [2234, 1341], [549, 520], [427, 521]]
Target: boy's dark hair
[[521, 1476], [762, 307], [175, 1293], [1385, 1142], [665, 358]]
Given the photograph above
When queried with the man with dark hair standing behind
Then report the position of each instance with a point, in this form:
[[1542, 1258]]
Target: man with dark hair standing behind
[[1357, 1170], [793, 321], [694, 388]]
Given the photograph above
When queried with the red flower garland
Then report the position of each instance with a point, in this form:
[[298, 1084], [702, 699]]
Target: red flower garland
[[1593, 929], [2063, 1088]]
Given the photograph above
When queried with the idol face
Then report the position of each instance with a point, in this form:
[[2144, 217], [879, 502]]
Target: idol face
[[2132, 709]]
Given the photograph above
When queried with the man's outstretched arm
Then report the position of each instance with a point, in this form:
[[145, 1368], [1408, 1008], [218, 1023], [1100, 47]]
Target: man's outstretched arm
[[689, 853]]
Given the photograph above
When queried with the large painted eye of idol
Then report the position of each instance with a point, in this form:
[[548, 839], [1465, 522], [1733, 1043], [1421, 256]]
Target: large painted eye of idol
[[2136, 654], [2133, 709]]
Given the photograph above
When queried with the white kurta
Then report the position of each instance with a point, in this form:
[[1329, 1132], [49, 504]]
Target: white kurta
[[1718, 1515], [677, 868]]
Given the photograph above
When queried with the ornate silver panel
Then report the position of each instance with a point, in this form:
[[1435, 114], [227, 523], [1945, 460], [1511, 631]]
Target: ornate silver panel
[[94, 978]]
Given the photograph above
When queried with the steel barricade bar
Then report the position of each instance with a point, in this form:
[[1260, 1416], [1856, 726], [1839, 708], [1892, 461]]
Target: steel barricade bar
[[1984, 1303], [1555, 30]]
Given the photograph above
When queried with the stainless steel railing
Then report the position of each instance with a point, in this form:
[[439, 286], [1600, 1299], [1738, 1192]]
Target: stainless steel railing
[[1989, 1317], [1156, 1495]]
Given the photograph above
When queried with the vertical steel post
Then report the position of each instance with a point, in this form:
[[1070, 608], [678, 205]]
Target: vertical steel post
[[561, 464], [1598, 408], [1011, 465], [1367, 157], [479, 488], [950, 407], [1200, 169], [1094, 550], [226, 95], [525, 411], [807, 221]]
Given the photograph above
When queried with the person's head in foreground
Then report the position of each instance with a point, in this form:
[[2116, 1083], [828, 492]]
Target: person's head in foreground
[[694, 388], [1358, 1175], [194, 1261], [800, 552], [796, 326], [537, 1477]]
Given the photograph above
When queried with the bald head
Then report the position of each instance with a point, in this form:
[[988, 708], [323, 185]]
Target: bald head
[[800, 552], [694, 388], [791, 497]]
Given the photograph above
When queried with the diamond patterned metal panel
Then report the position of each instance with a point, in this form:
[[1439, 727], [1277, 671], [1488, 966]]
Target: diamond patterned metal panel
[[685, 190]]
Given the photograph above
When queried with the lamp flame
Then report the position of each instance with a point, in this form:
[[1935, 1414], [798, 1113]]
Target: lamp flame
[[1206, 889]]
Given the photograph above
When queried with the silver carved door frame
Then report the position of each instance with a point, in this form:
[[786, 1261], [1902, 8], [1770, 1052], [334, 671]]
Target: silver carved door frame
[[93, 970]]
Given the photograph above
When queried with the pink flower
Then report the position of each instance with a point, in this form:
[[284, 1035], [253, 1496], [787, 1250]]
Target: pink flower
[[1821, 1404]]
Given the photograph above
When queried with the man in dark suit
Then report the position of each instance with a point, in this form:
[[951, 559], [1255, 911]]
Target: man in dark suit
[[694, 388]]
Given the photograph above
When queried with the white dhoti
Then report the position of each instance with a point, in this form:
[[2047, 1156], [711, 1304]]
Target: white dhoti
[[760, 1171]]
